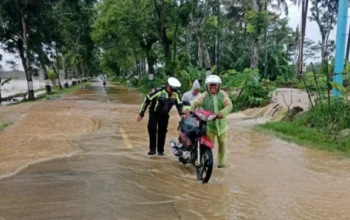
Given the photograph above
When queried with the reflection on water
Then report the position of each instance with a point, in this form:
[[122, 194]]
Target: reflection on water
[[266, 178], [16, 86]]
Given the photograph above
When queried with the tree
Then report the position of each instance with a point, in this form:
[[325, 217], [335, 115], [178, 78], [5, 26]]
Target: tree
[[22, 22], [324, 13]]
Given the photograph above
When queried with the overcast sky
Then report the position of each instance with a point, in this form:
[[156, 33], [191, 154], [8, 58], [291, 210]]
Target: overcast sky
[[312, 32]]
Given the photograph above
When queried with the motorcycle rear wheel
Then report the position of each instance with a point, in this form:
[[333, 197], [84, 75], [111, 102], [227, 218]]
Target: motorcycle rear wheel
[[205, 170]]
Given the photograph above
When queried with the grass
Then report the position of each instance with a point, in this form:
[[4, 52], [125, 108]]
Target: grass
[[63, 91], [320, 128], [144, 88], [3, 126], [303, 136]]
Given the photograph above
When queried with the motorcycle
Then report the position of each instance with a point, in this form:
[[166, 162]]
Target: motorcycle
[[193, 146]]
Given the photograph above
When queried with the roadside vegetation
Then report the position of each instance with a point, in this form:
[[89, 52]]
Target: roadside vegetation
[[3, 126], [327, 124]]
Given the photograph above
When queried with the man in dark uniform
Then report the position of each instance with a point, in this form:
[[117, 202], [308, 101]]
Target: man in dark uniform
[[162, 100]]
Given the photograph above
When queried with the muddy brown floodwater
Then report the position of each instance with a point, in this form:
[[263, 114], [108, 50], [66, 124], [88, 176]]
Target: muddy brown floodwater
[[84, 157]]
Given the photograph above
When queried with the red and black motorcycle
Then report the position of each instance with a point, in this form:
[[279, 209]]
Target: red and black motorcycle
[[194, 146]]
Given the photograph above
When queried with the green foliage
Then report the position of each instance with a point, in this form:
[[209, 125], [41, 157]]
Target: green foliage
[[346, 75], [257, 22], [52, 76], [188, 76], [4, 82], [323, 126], [247, 89], [330, 119], [311, 83], [3, 126], [282, 81]]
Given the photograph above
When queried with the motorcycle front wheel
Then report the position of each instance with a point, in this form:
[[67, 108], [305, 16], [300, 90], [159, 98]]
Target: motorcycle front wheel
[[205, 170]]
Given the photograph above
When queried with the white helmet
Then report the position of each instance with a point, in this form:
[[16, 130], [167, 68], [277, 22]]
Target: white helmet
[[213, 79], [174, 83]]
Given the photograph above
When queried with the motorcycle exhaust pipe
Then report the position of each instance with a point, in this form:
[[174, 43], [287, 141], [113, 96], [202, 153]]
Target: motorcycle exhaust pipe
[[174, 148]]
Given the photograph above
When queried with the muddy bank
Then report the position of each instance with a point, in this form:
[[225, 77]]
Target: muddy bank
[[282, 99]]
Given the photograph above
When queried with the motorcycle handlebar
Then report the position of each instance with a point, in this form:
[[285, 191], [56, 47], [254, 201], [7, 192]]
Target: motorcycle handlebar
[[212, 119]]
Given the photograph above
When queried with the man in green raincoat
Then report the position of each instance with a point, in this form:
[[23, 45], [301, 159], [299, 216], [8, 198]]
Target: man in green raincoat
[[217, 101]]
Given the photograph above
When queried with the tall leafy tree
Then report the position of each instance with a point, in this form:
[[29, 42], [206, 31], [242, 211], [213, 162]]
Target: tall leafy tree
[[324, 13], [22, 22]]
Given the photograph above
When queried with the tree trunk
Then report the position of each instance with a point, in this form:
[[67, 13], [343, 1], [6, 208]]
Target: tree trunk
[[254, 58], [167, 52], [46, 78], [206, 60], [200, 54], [65, 83], [143, 66], [175, 40], [117, 72], [265, 40], [82, 71], [75, 74], [58, 80], [58, 69], [163, 36], [26, 58], [188, 41], [150, 63]]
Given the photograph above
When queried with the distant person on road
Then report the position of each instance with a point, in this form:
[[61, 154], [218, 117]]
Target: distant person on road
[[194, 93], [217, 101], [162, 100]]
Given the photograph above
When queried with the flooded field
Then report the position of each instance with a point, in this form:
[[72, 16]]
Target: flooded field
[[84, 157]]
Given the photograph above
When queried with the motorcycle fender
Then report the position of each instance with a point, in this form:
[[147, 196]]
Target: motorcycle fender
[[207, 142]]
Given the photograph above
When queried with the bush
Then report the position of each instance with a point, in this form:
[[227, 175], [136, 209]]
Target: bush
[[324, 126], [252, 91], [188, 76], [281, 81], [328, 118], [52, 77], [311, 83]]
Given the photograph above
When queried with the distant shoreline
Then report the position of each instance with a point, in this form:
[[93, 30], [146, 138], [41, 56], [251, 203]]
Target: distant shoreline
[[14, 75]]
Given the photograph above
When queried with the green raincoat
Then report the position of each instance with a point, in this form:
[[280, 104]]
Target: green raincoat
[[214, 103]]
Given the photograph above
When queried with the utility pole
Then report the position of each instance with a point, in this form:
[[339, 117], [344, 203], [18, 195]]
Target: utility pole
[[340, 44]]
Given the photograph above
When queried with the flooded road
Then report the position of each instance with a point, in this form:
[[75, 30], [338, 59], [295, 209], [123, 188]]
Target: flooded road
[[101, 170]]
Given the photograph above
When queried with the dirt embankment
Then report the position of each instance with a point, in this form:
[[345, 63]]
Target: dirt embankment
[[278, 108]]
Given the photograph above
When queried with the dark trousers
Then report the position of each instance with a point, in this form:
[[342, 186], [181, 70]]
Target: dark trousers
[[157, 125]]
